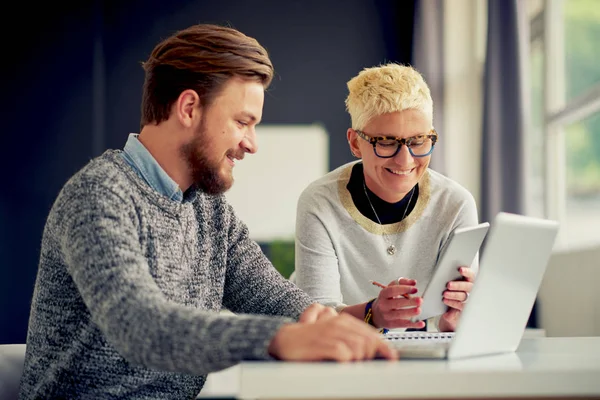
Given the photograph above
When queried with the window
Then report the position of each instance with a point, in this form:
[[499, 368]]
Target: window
[[582, 33], [536, 132], [563, 143], [582, 206]]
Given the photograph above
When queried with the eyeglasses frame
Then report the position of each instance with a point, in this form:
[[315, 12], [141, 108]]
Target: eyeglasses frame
[[432, 134]]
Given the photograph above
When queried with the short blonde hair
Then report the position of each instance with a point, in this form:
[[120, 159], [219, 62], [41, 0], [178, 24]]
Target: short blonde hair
[[386, 89]]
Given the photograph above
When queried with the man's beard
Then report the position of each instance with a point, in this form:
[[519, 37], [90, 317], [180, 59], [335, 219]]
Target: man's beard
[[205, 173]]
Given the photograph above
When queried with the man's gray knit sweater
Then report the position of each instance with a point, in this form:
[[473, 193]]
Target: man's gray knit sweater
[[129, 288]]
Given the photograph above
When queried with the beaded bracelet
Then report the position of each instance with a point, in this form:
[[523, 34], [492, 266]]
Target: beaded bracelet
[[369, 315]]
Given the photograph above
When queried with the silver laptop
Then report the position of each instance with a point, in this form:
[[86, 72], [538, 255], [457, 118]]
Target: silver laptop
[[512, 266]]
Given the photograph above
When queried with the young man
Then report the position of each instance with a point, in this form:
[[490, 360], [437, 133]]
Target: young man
[[141, 251]]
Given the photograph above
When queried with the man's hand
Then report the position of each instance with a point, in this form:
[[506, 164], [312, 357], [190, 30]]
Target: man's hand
[[339, 338], [455, 298], [316, 312]]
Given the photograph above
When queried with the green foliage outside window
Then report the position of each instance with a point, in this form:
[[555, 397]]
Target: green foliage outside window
[[582, 46], [282, 253]]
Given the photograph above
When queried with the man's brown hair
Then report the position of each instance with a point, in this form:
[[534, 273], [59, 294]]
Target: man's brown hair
[[202, 58]]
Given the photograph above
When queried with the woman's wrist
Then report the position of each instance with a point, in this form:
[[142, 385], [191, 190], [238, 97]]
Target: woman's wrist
[[369, 316], [369, 313]]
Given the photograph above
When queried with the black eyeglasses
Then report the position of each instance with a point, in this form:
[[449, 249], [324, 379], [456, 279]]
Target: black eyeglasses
[[389, 146]]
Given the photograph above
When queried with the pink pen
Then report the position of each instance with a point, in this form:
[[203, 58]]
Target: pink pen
[[381, 285]]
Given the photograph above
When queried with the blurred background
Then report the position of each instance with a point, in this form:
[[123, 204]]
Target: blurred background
[[516, 102]]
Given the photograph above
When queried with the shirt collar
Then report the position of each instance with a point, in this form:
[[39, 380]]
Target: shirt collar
[[142, 161]]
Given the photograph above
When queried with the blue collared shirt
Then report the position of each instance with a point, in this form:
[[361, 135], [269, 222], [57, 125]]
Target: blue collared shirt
[[148, 168]]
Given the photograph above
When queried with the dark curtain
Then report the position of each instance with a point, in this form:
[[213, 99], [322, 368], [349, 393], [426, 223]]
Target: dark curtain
[[502, 166], [428, 59], [502, 169]]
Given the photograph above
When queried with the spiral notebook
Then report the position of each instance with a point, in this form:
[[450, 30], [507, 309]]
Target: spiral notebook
[[420, 344], [493, 321], [419, 337]]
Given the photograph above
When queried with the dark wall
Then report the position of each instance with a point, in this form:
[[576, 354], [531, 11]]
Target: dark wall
[[73, 86]]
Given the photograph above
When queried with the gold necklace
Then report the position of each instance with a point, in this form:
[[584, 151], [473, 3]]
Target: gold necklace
[[391, 250]]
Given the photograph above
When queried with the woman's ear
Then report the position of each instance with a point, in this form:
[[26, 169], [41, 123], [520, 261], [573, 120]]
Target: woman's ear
[[353, 143]]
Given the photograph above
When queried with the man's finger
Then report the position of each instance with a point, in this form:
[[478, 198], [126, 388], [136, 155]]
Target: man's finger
[[359, 345], [326, 313], [338, 350], [358, 337], [385, 351], [310, 315]]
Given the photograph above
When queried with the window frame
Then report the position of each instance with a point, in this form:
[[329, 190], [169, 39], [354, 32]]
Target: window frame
[[559, 113]]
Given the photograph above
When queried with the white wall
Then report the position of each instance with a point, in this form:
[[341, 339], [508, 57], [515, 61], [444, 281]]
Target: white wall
[[569, 299], [268, 184]]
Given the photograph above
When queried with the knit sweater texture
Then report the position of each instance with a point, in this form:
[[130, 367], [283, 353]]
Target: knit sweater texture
[[129, 288]]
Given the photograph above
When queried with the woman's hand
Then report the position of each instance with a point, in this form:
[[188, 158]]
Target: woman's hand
[[394, 307], [455, 298]]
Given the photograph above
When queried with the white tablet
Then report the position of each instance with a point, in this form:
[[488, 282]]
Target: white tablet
[[460, 249]]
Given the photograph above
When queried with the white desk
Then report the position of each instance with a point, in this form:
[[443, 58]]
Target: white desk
[[541, 368]]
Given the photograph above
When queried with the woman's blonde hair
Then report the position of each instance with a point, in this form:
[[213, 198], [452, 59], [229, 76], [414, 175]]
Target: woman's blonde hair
[[385, 89]]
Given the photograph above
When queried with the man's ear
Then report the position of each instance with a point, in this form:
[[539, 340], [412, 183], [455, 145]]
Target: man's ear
[[186, 108], [353, 143]]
